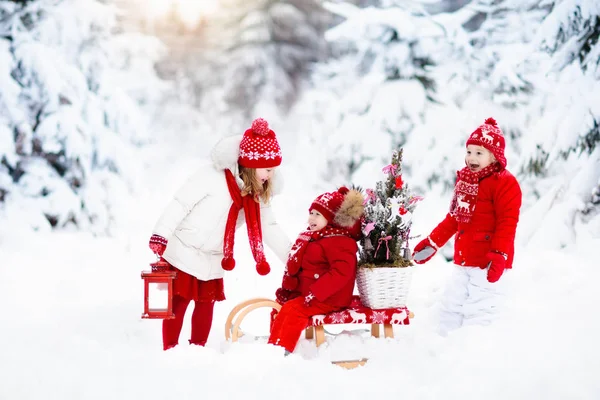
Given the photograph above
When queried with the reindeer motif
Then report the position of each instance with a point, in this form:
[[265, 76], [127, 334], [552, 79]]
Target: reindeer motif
[[406, 220], [318, 319], [398, 318], [461, 203], [487, 137], [358, 317]]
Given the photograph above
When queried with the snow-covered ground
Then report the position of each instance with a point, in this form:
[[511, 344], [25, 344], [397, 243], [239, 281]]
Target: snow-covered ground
[[71, 327]]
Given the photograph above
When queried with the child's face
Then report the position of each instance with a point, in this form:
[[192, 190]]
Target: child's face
[[478, 157], [316, 221], [264, 174]]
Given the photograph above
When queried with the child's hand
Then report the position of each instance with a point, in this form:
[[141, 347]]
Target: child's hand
[[495, 265], [157, 244], [424, 250]]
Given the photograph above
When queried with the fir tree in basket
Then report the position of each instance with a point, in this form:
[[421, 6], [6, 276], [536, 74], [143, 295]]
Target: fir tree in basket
[[387, 220]]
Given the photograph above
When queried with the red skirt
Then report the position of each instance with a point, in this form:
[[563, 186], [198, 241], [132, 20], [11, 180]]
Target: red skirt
[[192, 288]]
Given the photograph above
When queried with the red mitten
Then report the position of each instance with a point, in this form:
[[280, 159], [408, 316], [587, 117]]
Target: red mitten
[[495, 265], [157, 244], [289, 282], [424, 250], [282, 295]]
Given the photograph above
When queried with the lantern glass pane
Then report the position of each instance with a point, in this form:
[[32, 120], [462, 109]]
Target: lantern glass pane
[[158, 296]]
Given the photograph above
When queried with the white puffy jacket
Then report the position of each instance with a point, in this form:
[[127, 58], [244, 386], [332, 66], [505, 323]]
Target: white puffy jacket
[[194, 221]]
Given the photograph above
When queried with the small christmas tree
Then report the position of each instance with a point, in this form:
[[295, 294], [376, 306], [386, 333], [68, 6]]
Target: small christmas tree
[[387, 220]]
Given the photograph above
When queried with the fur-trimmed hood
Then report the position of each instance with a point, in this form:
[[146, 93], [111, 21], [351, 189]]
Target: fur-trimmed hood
[[225, 154]]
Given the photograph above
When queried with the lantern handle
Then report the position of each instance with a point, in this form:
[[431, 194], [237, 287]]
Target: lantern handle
[[160, 265]]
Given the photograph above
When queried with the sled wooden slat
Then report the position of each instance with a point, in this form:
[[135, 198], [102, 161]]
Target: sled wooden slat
[[388, 330], [375, 330], [350, 364], [310, 333], [319, 335]]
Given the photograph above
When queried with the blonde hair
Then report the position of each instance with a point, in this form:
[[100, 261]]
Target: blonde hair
[[253, 187]]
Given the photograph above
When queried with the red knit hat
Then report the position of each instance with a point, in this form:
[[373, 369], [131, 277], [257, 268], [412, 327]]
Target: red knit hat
[[328, 203], [491, 137], [259, 147], [343, 208]]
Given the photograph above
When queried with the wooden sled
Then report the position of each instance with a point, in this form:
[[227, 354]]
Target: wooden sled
[[232, 326], [314, 331]]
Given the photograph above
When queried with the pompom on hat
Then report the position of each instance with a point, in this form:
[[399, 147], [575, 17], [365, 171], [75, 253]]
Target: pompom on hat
[[259, 147], [490, 136]]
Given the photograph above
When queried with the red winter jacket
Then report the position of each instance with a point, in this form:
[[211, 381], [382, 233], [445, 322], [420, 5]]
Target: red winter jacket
[[329, 270], [492, 226]]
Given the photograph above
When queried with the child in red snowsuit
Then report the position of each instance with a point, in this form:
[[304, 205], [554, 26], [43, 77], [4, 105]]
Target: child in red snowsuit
[[321, 267], [483, 218]]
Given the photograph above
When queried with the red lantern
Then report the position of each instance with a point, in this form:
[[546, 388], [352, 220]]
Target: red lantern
[[158, 291]]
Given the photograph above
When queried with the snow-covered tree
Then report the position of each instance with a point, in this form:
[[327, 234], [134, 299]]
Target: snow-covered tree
[[563, 162], [260, 52], [369, 99], [482, 36], [71, 101], [488, 68]]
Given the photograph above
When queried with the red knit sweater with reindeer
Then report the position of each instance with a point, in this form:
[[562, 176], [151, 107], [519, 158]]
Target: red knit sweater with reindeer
[[492, 226]]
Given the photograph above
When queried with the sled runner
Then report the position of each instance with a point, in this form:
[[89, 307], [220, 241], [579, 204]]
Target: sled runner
[[232, 325]]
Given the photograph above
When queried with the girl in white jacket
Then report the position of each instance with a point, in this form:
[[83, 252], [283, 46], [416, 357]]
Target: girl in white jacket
[[195, 233]]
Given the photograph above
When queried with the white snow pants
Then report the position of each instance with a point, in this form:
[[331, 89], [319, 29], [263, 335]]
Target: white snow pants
[[469, 299]]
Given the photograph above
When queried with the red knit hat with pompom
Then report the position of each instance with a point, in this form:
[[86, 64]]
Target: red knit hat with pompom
[[490, 136], [342, 208], [259, 147]]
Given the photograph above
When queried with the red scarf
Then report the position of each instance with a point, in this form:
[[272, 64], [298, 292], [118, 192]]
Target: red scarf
[[252, 214], [297, 251], [466, 190]]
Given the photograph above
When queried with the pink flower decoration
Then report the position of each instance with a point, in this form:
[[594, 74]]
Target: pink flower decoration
[[368, 228], [370, 196], [389, 169], [414, 200]]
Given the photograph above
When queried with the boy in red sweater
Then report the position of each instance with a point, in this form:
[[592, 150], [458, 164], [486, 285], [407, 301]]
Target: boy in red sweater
[[321, 267], [483, 218]]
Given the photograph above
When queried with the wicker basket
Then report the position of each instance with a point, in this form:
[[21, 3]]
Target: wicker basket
[[384, 287]]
